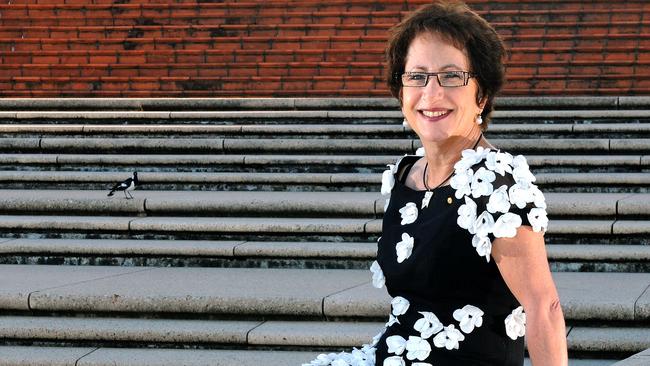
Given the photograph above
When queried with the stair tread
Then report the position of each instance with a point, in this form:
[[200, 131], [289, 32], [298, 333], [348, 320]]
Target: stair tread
[[300, 292], [279, 249]]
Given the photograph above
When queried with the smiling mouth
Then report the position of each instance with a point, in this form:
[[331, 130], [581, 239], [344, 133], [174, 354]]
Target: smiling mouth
[[435, 114]]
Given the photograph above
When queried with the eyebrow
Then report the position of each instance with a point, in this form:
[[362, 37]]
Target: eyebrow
[[445, 67]]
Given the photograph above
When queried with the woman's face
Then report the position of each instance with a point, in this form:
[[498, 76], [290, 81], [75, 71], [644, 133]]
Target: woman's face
[[437, 113]]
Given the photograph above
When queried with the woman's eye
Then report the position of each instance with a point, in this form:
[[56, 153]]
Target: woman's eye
[[452, 75], [416, 77]]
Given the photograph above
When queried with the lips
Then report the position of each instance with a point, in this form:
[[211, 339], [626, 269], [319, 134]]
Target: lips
[[435, 115]]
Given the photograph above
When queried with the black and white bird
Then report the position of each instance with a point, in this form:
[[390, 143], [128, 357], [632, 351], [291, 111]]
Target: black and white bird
[[126, 186]]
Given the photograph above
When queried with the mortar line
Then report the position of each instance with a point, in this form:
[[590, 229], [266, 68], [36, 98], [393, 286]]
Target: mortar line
[[637, 300], [336, 293], [87, 354], [252, 329]]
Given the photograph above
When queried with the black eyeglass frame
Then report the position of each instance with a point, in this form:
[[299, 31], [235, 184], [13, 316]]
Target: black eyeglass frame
[[466, 76]]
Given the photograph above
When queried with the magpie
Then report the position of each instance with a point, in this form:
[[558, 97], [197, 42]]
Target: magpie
[[128, 185]]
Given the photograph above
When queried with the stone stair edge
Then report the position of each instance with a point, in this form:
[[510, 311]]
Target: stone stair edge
[[102, 356], [252, 159], [642, 112], [279, 178], [321, 293], [640, 359], [139, 104], [384, 128], [353, 203], [280, 249], [134, 225]]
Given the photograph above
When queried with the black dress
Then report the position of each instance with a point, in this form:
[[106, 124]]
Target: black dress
[[450, 304]]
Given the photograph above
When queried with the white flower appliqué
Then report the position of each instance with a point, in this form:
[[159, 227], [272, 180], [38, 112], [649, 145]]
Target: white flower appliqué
[[388, 179], [499, 162], [396, 344], [392, 319], [516, 323], [483, 246], [404, 247], [394, 361], [461, 182], [506, 225], [469, 317], [484, 224], [521, 171], [499, 201], [538, 219], [409, 213], [448, 338], [378, 279], [467, 215], [417, 348], [482, 182], [400, 305], [428, 325]]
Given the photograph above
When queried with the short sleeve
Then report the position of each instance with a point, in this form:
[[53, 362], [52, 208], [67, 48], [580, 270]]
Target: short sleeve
[[498, 196]]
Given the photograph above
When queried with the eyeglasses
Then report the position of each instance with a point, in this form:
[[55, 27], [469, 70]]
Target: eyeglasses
[[447, 79]]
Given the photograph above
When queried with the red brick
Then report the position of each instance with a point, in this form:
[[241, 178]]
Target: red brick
[[61, 71], [153, 70], [120, 71], [17, 58], [77, 58], [183, 71], [212, 71], [156, 57], [212, 56], [131, 57], [102, 59], [8, 71], [191, 56]]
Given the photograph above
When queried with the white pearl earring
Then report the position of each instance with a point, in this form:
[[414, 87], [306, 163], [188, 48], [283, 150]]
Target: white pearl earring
[[479, 119], [405, 122]]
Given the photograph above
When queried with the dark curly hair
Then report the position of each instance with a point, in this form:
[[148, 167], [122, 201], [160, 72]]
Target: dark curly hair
[[456, 23]]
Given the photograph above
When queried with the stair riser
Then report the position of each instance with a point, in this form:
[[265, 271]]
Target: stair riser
[[579, 238], [161, 261]]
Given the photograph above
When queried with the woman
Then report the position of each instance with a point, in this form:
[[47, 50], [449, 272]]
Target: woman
[[462, 249]]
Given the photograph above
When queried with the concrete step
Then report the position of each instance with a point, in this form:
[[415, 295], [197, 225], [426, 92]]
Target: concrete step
[[98, 356], [388, 116], [276, 254], [499, 129], [293, 182], [304, 145], [256, 163], [295, 293], [503, 103], [288, 204], [561, 231]]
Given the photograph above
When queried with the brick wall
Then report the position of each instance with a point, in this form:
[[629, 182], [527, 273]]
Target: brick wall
[[101, 48]]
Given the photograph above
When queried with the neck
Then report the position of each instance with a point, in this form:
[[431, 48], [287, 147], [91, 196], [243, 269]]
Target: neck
[[447, 152]]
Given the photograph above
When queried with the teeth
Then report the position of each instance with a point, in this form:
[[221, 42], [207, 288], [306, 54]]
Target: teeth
[[433, 114]]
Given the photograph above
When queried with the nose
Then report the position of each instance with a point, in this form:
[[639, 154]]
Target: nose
[[433, 88]]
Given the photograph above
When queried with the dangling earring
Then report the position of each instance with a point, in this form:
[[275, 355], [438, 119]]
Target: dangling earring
[[479, 119], [405, 123]]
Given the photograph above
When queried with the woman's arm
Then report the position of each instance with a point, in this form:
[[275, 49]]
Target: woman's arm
[[524, 267]]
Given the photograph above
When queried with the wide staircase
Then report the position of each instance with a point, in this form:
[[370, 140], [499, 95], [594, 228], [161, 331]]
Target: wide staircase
[[189, 48], [249, 239]]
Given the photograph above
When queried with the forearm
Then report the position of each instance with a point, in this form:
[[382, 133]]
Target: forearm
[[546, 336]]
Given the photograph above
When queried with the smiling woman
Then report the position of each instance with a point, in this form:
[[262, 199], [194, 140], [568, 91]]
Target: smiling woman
[[462, 246]]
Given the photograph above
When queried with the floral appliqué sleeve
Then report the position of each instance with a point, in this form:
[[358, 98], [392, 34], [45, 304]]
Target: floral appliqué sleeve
[[498, 196]]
